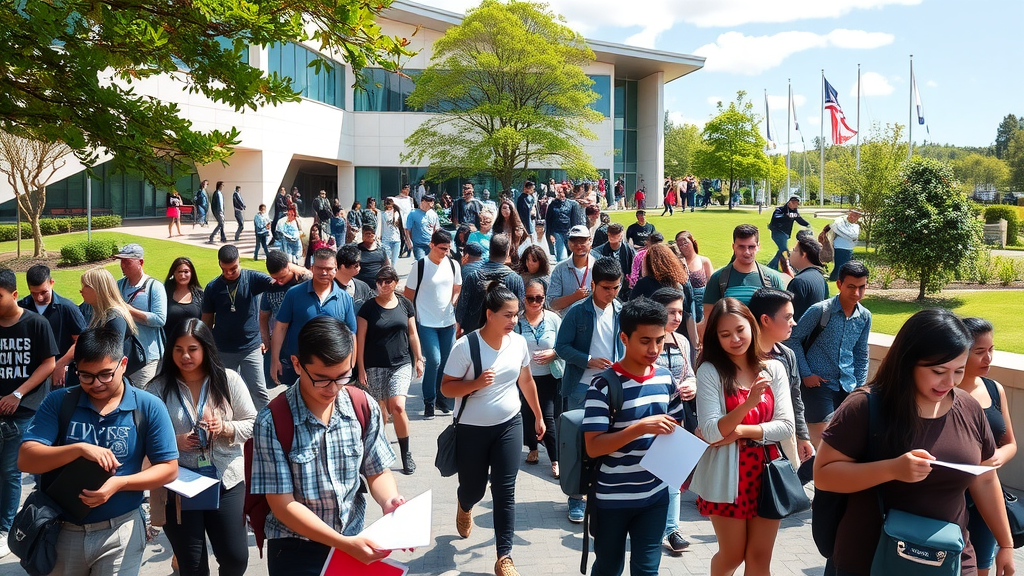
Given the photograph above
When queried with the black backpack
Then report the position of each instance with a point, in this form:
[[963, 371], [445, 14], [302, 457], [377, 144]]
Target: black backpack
[[421, 265]]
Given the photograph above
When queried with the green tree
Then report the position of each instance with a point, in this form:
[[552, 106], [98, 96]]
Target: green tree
[[1005, 132], [509, 88], [681, 142], [1015, 161], [975, 170], [733, 147], [925, 227], [72, 69]]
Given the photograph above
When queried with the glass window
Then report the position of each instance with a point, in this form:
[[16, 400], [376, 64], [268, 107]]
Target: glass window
[[620, 99], [631, 87], [602, 85]]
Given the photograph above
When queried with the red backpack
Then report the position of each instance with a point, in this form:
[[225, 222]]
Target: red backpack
[[256, 507]]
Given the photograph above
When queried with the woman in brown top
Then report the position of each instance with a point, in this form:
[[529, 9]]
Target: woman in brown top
[[924, 417]]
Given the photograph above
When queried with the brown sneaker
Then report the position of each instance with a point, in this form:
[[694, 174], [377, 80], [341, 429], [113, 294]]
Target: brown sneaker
[[505, 567], [463, 521]]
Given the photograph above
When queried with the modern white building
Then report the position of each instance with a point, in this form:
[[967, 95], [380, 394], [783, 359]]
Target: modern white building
[[349, 141]]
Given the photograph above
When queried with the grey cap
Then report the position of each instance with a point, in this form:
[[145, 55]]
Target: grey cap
[[131, 251], [579, 231]]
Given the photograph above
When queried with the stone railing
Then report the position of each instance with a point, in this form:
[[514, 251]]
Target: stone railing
[[1007, 369]]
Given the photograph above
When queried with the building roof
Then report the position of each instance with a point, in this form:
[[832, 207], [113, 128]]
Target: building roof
[[630, 62]]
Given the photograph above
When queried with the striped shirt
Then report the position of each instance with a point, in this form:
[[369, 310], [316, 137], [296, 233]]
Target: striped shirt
[[621, 481], [322, 471]]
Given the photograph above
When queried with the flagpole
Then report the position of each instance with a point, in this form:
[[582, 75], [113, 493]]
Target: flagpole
[[821, 171], [858, 116], [789, 126], [910, 113]]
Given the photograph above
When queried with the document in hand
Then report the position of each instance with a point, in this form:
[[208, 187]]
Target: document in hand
[[969, 468], [190, 483], [672, 457], [407, 527], [80, 474], [341, 564]]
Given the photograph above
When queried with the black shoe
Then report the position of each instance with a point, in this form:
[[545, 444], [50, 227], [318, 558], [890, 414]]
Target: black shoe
[[675, 542], [428, 412], [408, 465], [444, 408]]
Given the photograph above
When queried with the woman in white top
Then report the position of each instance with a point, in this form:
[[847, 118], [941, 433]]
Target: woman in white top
[[540, 328], [391, 229], [490, 428], [743, 405], [213, 415]]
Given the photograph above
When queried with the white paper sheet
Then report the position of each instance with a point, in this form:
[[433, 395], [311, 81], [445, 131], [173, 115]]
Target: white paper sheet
[[969, 468], [190, 483], [672, 457], [407, 527]]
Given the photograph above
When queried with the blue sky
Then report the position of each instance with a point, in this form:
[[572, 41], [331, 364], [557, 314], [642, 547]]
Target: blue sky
[[967, 57]]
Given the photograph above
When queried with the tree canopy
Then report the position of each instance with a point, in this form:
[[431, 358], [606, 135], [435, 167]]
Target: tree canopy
[[71, 69], [508, 90], [732, 146], [681, 142]]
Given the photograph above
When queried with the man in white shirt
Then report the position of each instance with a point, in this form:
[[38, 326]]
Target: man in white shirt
[[845, 231], [433, 286], [405, 204], [570, 279]]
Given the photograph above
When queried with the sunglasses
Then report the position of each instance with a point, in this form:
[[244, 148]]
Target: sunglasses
[[535, 299]]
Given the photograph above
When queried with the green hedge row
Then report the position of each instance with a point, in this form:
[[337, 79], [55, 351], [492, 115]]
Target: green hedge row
[[51, 226], [87, 251], [996, 213]]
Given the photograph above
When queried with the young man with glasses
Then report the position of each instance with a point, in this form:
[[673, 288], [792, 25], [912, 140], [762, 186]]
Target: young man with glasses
[[318, 296], [106, 428], [570, 279], [314, 492]]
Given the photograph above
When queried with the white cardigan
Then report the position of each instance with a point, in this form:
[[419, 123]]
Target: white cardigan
[[716, 477]]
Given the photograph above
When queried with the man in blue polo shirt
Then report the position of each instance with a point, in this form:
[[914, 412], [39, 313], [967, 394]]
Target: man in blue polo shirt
[[65, 318], [319, 296], [422, 224], [102, 428]]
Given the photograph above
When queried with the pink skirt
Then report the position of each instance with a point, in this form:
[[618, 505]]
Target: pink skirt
[[173, 212]]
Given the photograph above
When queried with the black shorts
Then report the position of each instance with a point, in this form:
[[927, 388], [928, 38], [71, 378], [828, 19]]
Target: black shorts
[[820, 403]]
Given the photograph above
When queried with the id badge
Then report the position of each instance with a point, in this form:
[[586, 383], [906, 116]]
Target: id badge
[[204, 461]]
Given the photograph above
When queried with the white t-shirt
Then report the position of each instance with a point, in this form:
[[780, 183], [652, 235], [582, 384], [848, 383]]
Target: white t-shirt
[[405, 207], [602, 345], [434, 307], [498, 402]]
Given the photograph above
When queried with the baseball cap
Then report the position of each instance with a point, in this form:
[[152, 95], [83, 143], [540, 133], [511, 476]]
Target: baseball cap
[[131, 251], [856, 211], [428, 197], [579, 231]]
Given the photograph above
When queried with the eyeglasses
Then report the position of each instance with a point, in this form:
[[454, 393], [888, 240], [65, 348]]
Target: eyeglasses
[[535, 299], [105, 377], [342, 380]]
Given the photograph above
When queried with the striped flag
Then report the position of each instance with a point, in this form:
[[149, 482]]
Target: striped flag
[[917, 99], [792, 109], [841, 131], [768, 124]]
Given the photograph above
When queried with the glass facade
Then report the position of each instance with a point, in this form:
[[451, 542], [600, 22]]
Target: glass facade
[[292, 61], [625, 132], [603, 86]]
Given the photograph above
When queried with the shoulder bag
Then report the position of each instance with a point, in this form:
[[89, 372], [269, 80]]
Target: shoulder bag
[[782, 493], [445, 461]]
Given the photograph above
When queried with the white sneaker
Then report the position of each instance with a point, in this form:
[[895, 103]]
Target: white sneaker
[[4, 548]]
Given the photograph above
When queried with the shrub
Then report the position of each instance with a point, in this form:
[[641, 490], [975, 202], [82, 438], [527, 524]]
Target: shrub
[[995, 213], [886, 276], [51, 226], [1005, 269], [97, 250], [73, 254], [982, 271]]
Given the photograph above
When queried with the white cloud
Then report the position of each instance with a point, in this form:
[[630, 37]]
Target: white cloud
[[737, 53], [872, 84], [678, 118], [780, 102], [931, 84], [813, 120], [653, 17], [714, 100]]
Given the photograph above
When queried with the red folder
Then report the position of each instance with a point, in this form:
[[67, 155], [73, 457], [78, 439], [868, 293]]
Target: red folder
[[341, 564]]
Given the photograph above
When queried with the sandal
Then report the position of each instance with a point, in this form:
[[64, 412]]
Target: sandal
[[532, 457], [554, 470]]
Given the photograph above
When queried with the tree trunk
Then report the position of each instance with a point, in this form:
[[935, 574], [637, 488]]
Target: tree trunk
[[924, 281], [37, 236]]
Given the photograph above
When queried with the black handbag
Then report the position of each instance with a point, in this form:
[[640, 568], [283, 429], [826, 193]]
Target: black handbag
[[781, 491], [445, 461], [34, 532], [1015, 514]]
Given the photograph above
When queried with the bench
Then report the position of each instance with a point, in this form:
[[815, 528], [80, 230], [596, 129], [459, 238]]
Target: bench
[[80, 212]]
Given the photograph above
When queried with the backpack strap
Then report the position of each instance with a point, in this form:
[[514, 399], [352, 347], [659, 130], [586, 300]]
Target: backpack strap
[[284, 425], [766, 280], [723, 279], [614, 406], [993, 393], [474, 353], [420, 267], [362, 406], [826, 316]]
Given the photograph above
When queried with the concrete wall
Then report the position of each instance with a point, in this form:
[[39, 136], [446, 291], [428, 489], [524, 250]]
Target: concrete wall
[[1007, 369], [650, 135]]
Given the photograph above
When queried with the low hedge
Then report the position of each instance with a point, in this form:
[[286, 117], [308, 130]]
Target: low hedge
[[51, 226], [87, 251], [1009, 213]]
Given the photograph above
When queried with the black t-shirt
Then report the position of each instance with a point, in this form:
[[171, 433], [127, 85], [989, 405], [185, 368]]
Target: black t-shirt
[[638, 234], [387, 333], [178, 313], [237, 331], [371, 263], [65, 319], [23, 347]]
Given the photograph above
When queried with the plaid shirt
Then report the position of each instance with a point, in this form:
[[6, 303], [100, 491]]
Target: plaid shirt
[[322, 471]]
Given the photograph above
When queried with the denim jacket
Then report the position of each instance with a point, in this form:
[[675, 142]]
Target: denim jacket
[[574, 337]]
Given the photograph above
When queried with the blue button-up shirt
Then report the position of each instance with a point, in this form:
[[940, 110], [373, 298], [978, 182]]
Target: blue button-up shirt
[[840, 353], [322, 470], [301, 304]]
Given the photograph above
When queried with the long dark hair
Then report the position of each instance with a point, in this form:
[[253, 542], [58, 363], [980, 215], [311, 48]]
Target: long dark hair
[[717, 356], [212, 363], [496, 296], [540, 256], [170, 283], [928, 338]]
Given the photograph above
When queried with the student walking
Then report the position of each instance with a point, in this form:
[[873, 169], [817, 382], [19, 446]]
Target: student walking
[[217, 206], [174, 204], [490, 428], [261, 223], [239, 205], [540, 328]]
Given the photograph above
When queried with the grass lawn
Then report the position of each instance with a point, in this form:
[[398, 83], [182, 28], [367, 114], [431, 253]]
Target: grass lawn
[[713, 231], [159, 255]]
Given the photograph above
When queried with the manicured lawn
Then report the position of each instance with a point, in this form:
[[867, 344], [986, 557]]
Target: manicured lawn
[[159, 255], [713, 231]]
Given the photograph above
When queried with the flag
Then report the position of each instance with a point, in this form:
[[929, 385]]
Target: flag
[[792, 109], [768, 124], [917, 99], [841, 131]]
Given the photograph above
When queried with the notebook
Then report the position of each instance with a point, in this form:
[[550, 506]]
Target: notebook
[[80, 474]]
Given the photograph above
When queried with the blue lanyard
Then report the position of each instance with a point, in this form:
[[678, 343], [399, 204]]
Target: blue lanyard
[[204, 393]]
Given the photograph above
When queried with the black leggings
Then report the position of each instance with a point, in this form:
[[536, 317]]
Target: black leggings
[[551, 408], [494, 449], [225, 527]]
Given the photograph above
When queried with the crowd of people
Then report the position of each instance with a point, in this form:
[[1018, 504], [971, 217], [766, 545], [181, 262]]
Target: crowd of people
[[517, 317]]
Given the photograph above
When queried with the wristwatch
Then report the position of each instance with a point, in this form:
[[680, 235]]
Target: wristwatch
[[17, 395]]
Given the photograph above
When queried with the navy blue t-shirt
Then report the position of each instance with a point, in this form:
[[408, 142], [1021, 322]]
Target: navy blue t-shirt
[[64, 317], [237, 331], [115, 431]]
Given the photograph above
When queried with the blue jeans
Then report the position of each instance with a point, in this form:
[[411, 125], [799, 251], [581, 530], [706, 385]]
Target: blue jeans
[[781, 240], [419, 251], [981, 536], [841, 257], [200, 217], [392, 249], [10, 477], [261, 241], [249, 366], [672, 519], [644, 526], [436, 344], [561, 245]]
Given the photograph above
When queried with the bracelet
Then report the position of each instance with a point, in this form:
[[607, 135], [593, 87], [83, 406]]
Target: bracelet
[[1010, 547]]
